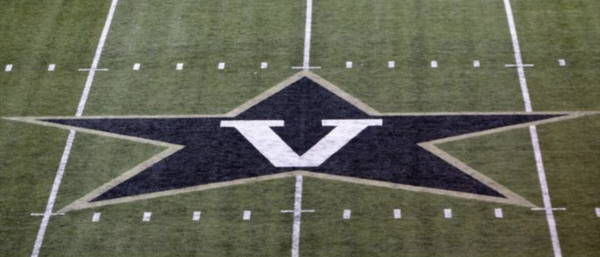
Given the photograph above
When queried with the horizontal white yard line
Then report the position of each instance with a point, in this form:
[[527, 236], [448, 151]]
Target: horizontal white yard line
[[96, 217], [196, 216], [346, 215], [519, 66], [92, 69], [247, 215], [397, 214], [448, 213], [147, 216], [498, 213]]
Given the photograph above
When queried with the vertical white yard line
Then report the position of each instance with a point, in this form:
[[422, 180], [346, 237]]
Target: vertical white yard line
[[71, 138], [539, 162], [534, 136], [307, 35], [518, 59], [297, 216]]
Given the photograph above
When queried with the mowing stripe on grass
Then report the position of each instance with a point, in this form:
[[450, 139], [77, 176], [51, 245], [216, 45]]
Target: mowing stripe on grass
[[67, 150], [533, 132]]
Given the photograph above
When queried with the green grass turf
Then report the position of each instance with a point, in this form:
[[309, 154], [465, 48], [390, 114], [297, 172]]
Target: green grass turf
[[244, 33]]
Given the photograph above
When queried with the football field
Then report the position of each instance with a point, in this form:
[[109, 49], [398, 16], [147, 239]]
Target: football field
[[451, 128]]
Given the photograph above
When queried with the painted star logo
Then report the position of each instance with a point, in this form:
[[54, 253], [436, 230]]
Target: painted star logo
[[305, 125]]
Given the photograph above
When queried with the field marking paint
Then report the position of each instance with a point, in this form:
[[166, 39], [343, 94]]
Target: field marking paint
[[307, 35], [434, 64], [348, 65], [346, 215], [67, 150], [448, 213], [88, 69], [544, 209], [221, 66], [498, 213], [539, 162], [391, 64], [264, 65], [147, 216], [397, 214], [476, 64], [96, 217], [519, 65], [53, 214], [51, 67], [247, 215], [518, 58], [8, 68], [136, 66], [179, 66], [598, 212], [533, 132], [297, 216], [562, 62], [196, 216]]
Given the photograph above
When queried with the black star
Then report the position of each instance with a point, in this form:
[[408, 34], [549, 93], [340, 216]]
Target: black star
[[391, 154]]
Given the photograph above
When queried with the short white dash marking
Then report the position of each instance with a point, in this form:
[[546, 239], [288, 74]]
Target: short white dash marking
[[96, 217], [196, 216], [51, 67], [264, 65], [348, 65], [498, 213], [434, 64], [179, 66], [397, 214], [247, 215], [136, 66], [347, 214], [448, 213], [476, 64], [562, 62], [391, 64], [221, 66], [598, 212], [8, 68], [147, 216]]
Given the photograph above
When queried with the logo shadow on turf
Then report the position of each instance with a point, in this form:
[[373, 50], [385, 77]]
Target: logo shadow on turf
[[364, 146]]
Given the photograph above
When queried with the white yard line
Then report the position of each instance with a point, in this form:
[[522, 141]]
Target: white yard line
[[307, 35], [297, 216], [518, 59], [534, 136], [67, 150]]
